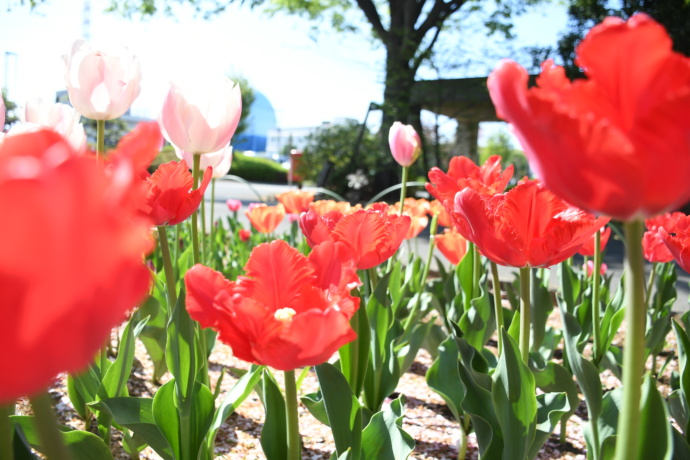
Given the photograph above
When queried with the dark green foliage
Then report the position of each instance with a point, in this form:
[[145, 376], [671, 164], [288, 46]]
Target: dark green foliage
[[333, 147], [10, 108]]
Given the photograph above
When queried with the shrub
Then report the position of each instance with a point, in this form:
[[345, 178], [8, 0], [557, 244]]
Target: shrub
[[257, 169]]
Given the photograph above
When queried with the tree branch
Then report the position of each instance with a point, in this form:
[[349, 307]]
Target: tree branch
[[372, 15]]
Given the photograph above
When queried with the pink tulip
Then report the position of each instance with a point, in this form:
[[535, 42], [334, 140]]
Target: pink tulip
[[405, 143], [220, 161], [59, 117], [102, 81], [234, 205], [201, 117], [590, 268]]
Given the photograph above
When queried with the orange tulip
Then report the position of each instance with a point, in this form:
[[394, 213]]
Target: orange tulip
[[296, 201], [452, 245], [322, 207], [436, 207], [264, 218]]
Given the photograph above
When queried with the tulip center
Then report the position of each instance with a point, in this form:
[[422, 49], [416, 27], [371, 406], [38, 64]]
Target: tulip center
[[284, 314]]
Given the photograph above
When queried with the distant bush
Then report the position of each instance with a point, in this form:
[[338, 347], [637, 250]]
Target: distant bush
[[166, 155], [257, 169]]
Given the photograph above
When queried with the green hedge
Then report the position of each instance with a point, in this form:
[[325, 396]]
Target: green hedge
[[257, 169]]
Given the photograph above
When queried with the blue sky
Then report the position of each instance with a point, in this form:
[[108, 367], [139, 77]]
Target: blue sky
[[308, 81]]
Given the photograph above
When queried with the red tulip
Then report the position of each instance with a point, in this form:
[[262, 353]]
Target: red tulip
[[404, 143], [296, 201], [264, 218], [244, 234], [527, 226], [677, 240], [289, 310], [170, 198], [71, 262], [372, 235], [617, 143], [587, 249], [462, 172], [452, 245], [140, 147], [653, 246]]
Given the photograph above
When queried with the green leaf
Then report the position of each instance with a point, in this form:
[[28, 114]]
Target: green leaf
[[237, 394], [443, 377], [180, 353], [383, 438], [681, 449], [343, 410], [586, 374], [514, 329], [154, 334], [514, 398], [274, 432], [114, 383], [570, 286], [657, 441], [136, 414], [82, 445], [477, 322], [683, 344], [75, 397], [185, 431], [551, 407], [316, 407], [407, 351], [542, 306]]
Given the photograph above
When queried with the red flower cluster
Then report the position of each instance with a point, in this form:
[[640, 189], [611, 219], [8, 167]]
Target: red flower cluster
[[289, 310], [653, 246], [373, 235], [528, 225], [71, 261]]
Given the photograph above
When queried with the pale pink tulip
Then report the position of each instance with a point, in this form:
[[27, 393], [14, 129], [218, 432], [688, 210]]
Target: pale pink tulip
[[404, 143], [60, 117], [220, 161], [102, 80], [201, 116]]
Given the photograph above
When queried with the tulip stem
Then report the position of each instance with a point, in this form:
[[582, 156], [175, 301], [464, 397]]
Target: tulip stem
[[195, 215], [202, 238], [52, 444], [167, 268], [403, 188], [213, 223], [6, 431], [650, 285], [525, 312], [634, 356], [425, 273], [498, 306], [596, 294], [100, 139], [476, 268], [293, 438]]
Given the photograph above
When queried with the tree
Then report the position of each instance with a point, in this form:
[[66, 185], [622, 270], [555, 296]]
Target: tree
[[408, 29], [674, 15], [248, 97], [10, 111], [500, 143], [354, 175]]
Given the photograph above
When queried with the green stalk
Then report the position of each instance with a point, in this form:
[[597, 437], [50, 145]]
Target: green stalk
[[213, 223], [202, 238], [403, 194], [476, 269], [294, 447], [100, 139], [650, 285], [525, 312], [498, 307], [425, 273], [596, 294], [462, 444], [195, 214], [6, 431], [46, 427], [633, 358], [167, 268]]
